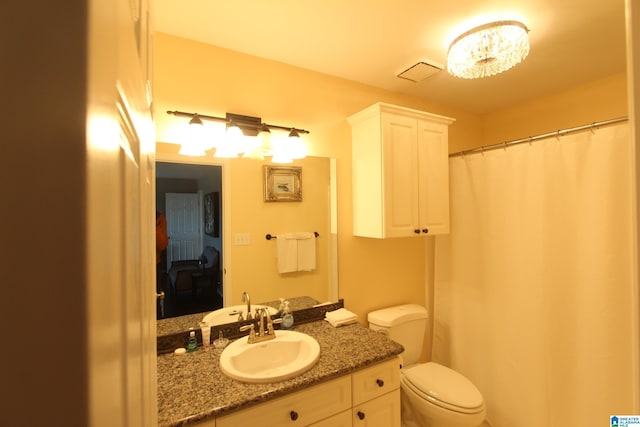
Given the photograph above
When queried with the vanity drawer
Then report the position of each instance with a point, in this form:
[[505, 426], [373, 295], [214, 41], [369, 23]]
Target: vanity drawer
[[302, 408], [375, 381]]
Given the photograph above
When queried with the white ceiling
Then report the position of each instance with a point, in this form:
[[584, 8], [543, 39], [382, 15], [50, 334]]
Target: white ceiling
[[371, 41]]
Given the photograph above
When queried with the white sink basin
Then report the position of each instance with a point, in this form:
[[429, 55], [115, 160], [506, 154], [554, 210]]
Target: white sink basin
[[288, 355], [230, 314]]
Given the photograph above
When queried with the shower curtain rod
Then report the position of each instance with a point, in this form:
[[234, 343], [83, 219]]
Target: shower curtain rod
[[538, 137]]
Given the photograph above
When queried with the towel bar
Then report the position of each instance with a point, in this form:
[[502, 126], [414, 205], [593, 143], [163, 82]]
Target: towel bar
[[270, 236]]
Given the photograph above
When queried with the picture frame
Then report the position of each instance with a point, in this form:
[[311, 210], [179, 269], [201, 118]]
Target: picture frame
[[212, 214], [282, 183]]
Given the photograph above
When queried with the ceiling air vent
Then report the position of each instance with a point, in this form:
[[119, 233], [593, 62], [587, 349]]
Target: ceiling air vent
[[420, 71]]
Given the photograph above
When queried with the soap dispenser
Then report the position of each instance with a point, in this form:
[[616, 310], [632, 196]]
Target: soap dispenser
[[287, 317]]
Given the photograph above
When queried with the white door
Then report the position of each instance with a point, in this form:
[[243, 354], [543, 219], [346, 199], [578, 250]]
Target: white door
[[121, 301], [184, 226]]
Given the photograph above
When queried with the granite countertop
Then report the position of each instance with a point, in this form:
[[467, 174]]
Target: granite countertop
[[191, 386]]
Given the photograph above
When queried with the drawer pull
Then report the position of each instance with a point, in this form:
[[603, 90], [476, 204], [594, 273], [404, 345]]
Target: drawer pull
[[380, 383], [293, 415], [361, 415]]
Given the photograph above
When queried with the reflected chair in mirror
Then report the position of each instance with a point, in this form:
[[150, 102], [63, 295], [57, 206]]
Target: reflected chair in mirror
[[209, 274], [180, 274], [191, 275]]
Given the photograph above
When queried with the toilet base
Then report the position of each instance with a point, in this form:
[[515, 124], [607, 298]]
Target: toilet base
[[416, 412]]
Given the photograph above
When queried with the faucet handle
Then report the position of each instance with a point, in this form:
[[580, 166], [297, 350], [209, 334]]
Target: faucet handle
[[252, 332]]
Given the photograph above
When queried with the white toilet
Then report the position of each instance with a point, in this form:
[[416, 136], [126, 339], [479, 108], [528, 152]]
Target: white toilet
[[432, 395]]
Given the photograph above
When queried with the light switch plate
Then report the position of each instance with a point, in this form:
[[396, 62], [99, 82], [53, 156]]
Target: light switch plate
[[242, 239]]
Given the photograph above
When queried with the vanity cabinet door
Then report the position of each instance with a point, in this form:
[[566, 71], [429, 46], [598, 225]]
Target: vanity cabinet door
[[343, 419], [211, 422], [375, 381], [383, 411], [302, 408]]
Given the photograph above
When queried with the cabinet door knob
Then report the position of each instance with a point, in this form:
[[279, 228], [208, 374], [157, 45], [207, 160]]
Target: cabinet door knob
[[361, 415], [425, 230], [416, 231], [293, 415], [380, 383]]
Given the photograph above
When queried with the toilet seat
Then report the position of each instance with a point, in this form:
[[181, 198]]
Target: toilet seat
[[443, 387]]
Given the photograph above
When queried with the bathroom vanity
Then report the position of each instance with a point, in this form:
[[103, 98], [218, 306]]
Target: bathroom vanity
[[354, 383]]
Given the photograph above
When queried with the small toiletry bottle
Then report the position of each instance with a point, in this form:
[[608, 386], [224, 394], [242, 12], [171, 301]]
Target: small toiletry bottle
[[287, 317], [192, 344], [281, 308]]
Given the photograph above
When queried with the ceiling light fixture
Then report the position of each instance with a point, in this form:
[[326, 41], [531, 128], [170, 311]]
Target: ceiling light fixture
[[244, 134], [488, 49]]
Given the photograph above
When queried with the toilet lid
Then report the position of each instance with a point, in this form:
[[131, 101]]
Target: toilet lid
[[442, 384]]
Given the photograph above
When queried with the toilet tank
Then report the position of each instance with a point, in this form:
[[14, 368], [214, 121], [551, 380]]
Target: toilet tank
[[405, 324]]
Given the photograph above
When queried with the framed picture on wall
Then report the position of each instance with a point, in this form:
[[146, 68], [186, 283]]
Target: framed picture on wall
[[212, 214], [282, 184]]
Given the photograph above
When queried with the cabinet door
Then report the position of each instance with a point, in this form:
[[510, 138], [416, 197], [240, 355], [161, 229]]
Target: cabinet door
[[400, 165], [301, 408], [433, 157], [383, 411], [211, 422], [343, 419]]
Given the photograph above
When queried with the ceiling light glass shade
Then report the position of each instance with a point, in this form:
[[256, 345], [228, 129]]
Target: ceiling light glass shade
[[226, 150], [296, 147], [194, 141], [488, 49], [281, 153], [235, 137], [253, 149], [259, 146], [264, 136], [281, 158], [191, 149]]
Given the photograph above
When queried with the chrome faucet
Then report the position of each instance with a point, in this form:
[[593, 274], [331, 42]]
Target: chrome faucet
[[262, 315], [245, 298]]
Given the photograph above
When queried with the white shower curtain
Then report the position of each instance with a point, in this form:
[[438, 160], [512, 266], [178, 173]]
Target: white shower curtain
[[533, 287]]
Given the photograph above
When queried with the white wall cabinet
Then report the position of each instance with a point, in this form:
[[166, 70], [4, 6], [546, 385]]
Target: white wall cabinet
[[367, 398], [400, 172]]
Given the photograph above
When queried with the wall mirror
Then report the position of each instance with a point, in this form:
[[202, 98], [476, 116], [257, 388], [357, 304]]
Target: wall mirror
[[236, 227]]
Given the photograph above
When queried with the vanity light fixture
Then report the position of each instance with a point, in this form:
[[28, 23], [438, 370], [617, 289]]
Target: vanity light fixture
[[244, 135], [194, 144], [488, 49]]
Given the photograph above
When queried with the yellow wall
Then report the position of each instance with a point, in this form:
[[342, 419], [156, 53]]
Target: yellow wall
[[597, 101], [255, 266], [195, 77]]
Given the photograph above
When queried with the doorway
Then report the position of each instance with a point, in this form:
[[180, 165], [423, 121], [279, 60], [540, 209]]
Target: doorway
[[189, 271]]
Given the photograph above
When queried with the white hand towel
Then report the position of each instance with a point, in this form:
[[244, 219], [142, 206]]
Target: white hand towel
[[340, 317], [306, 251], [287, 253]]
